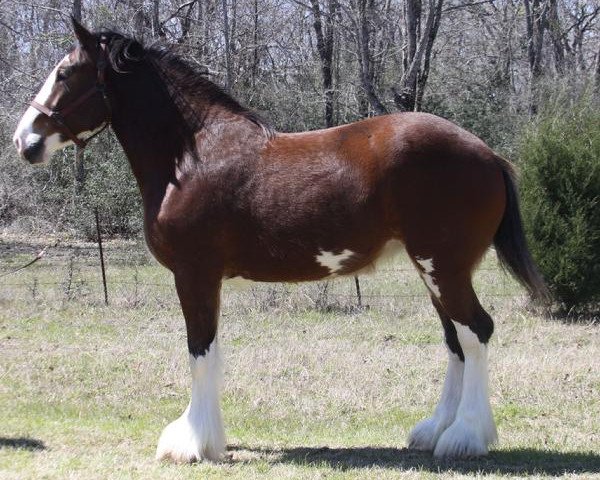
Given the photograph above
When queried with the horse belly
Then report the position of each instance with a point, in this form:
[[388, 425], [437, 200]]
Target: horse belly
[[290, 262]]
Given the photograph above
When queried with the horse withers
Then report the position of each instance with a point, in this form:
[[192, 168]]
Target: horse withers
[[226, 196]]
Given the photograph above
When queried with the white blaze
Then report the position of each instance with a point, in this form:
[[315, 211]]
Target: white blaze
[[198, 434], [333, 261], [24, 135]]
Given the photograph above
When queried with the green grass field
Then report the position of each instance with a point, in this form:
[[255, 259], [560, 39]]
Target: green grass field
[[314, 387]]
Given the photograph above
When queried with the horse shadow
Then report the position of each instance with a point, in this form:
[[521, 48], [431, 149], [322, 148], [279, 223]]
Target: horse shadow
[[22, 443], [518, 461]]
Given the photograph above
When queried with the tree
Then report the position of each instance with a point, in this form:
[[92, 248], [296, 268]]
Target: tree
[[324, 26], [420, 33]]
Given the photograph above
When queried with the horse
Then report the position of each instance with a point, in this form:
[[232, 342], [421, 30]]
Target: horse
[[225, 195]]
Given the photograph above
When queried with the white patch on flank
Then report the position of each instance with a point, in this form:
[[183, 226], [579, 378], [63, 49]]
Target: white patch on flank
[[333, 261], [427, 432], [426, 273], [198, 434], [473, 429]]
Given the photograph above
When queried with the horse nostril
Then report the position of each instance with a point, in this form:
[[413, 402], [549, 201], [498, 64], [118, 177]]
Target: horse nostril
[[33, 151], [17, 142]]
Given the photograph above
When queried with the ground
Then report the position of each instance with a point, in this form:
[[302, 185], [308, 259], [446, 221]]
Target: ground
[[314, 386]]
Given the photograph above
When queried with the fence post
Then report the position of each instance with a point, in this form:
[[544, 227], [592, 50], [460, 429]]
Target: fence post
[[101, 255], [356, 282]]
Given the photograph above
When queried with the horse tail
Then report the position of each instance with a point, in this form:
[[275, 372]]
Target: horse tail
[[511, 244]]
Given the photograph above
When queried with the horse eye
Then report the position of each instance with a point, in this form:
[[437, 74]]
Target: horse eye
[[61, 75]]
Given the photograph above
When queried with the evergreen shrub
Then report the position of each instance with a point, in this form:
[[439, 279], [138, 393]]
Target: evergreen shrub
[[560, 192]]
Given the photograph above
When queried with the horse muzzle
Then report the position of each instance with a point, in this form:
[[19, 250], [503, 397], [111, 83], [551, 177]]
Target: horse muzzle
[[31, 147]]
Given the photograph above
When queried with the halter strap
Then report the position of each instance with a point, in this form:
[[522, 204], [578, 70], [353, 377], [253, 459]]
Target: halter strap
[[59, 116]]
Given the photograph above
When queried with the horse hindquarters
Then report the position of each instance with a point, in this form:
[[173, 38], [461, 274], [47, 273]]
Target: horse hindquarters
[[447, 231], [198, 434]]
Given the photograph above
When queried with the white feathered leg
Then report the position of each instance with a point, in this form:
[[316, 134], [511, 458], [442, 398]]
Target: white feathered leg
[[198, 434], [473, 429], [426, 433]]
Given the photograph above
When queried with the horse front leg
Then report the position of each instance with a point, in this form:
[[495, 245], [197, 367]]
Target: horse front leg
[[198, 434]]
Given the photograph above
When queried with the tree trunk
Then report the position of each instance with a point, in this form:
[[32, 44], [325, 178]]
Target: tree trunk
[[556, 36], [255, 57], [78, 165], [536, 13], [324, 30], [408, 95], [228, 67], [364, 56], [156, 30], [76, 11]]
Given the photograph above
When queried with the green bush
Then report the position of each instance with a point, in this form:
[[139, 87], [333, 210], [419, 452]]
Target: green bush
[[560, 190]]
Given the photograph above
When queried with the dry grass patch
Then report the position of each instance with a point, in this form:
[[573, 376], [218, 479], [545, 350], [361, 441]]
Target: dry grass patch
[[86, 389]]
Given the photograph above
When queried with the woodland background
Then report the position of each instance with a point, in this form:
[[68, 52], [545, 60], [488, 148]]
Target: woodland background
[[315, 385], [492, 66]]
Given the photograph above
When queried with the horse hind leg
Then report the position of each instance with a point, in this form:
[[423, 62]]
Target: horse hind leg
[[426, 433], [463, 422]]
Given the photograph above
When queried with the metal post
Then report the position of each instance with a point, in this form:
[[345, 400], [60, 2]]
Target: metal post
[[101, 255], [358, 292]]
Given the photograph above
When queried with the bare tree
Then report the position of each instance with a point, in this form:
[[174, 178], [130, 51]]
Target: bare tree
[[78, 165], [324, 25], [361, 15], [536, 17], [420, 33], [228, 66]]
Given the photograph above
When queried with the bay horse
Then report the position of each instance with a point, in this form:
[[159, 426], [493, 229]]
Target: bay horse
[[226, 196]]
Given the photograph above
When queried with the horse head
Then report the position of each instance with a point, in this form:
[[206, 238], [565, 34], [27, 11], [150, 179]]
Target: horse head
[[71, 106]]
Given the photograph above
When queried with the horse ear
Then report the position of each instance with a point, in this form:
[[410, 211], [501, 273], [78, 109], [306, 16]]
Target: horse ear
[[84, 37]]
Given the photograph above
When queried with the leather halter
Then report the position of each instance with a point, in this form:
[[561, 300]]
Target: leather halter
[[59, 116]]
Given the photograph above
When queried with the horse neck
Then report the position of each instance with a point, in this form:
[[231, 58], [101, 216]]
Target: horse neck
[[146, 122]]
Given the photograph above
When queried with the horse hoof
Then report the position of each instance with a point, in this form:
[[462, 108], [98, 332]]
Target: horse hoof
[[461, 440], [425, 434], [180, 443]]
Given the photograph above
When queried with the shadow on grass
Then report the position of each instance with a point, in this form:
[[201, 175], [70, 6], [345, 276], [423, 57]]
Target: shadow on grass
[[21, 443], [516, 461]]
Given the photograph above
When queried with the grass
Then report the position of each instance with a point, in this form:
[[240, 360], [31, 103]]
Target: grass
[[314, 387]]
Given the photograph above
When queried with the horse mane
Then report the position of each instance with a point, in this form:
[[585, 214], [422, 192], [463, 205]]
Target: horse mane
[[183, 82]]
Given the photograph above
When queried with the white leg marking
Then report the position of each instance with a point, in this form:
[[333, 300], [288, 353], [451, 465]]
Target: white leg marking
[[427, 432], [333, 261], [426, 272], [198, 434], [473, 430]]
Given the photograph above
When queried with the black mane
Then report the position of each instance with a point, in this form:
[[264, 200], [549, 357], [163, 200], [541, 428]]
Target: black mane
[[183, 82]]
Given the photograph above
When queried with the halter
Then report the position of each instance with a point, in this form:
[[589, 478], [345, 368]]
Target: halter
[[59, 116]]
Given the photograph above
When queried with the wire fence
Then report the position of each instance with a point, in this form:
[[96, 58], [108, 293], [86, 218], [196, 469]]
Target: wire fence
[[70, 273]]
